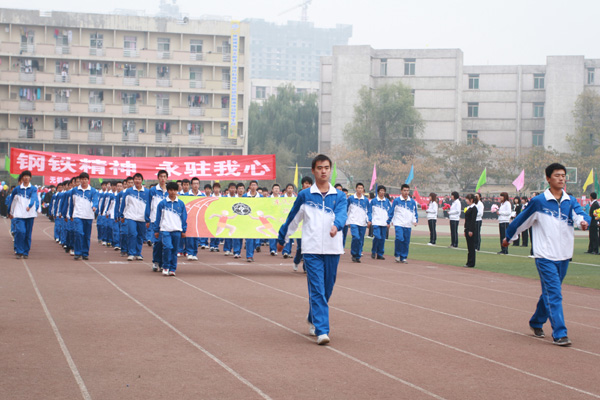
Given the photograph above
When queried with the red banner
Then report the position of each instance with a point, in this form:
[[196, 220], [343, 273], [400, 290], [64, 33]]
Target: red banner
[[42, 163]]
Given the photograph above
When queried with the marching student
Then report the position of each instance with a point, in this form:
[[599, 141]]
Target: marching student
[[157, 194], [306, 183], [214, 242], [22, 208], [288, 192], [66, 214], [228, 243], [107, 238], [54, 206], [359, 218], [276, 192], [133, 212], [380, 209], [552, 216], [593, 234], [84, 204], [111, 213], [479, 220], [237, 243], [403, 214], [432, 213], [471, 228], [192, 243], [322, 209], [454, 216], [251, 243], [504, 213], [170, 227], [204, 242], [123, 231], [100, 223], [524, 234]]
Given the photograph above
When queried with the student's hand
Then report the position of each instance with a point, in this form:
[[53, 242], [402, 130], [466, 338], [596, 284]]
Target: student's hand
[[156, 235], [470, 234], [183, 235], [94, 209], [584, 226], [369, 224], [333, 231], [27, 209], [10, 216], [147, 225], [122, 220], [416, 223], [66, 219], [279, 248], [505, 242]]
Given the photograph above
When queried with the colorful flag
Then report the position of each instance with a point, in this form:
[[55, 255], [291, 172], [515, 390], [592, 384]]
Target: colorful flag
[[520, 181], [296, 177], [411, 175], [373, 178], [334, 174], [596, 184], [589, 180], [482, 180], [7, 167]]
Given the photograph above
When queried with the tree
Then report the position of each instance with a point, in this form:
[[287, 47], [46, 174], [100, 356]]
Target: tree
[[534, 161], [462, 163], [385, 122], [287, 124], [586, 138]]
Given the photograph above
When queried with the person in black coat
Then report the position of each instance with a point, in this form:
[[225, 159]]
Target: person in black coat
[[471, 228], [593, 246]]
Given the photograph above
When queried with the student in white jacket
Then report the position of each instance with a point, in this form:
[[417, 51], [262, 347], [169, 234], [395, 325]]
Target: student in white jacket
[[504, 213], [479, 220], [432, 213], [454, 215]]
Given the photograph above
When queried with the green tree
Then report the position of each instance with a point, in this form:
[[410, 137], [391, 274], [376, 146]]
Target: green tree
[[385, 122], [534, 161], [462, 163], [586, 138]]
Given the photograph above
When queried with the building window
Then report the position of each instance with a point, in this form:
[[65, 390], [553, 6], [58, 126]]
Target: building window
[[409, 66], [473, 81], [224, 128], [590, 76], [473, 110], [130, 43], [537, 138], [196, 46], [164, 44], [538, 81], [472, 137], [195, 73], [409, 131], [261, 92], [383, 67], [538, 110], [96, 40]]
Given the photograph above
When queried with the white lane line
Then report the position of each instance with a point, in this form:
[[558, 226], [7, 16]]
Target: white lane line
[[425, 338], [61, 342], [341, 353], [184, 336]]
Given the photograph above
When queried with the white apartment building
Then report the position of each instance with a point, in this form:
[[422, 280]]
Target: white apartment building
[[118, 85]]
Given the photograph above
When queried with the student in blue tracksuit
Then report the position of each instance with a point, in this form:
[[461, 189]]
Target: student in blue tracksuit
[[133, 212], [170, 226], [288, 192], [54, 210], [228, 243], [275, 192], [192, 243], [157, 194], [380, 207], [359, 219], [306, 183], [323, 211], [252, 243], [22, 209], [215, 242], [551, 215], [83, 206], [237, 243], [111, 212], [100, 222], [123, 231], [403, 215]]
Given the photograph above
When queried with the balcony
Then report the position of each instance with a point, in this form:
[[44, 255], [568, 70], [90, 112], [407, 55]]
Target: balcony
[[26, 105], [132, 53], [130, 137], [130, 109], [26, 133], [228, 142], [61, 134], [163, 55], [96, 52], [131, 81], [196, 56], [62, 50], [27, 76], [227, 57], [163, 110], [224, 112], [62, 78], [163, 138], [225, 85], [94, 136], [27, 48], [163, 82], [96, 80], [61, 107], [96, 107], [196, 85], [195, 139], [197, 112]]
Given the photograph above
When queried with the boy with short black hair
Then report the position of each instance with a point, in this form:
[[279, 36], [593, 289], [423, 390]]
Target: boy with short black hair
[[170, 227]]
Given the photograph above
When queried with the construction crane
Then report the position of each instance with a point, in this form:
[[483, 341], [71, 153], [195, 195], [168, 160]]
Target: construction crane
[[304, 5]]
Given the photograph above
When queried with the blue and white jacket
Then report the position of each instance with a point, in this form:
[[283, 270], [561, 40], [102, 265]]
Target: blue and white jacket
[[21, 198], [319, 213], [551, 224], [118, 201], [133, 204], [403, 213], [359, 211], [82, 202], [171, 216], [156, 196], [380, 210]]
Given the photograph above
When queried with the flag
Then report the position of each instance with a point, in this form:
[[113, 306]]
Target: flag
[[596, 184], [373, 178], [482, 179], [7, 167], [296, 177], [411, 175], [520, 181], [589, 180], [334, 174]]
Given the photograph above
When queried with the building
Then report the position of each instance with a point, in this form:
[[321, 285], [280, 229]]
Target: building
[[262, 89], [120, 85], [513, 107]]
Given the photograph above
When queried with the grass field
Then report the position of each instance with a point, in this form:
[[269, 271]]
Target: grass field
[[584, 270]]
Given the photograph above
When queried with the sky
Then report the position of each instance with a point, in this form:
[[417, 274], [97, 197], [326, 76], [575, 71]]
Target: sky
[[507, 32]]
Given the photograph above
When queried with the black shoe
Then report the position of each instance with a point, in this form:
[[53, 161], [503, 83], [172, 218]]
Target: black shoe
[[373, 256], [354, 259], [563, 341], [587, 252], [258, 250], [380, 257], [85, 257], [357, 260], [76, 258], [286, 255], [537, 332], [150, 243], [469, 266]]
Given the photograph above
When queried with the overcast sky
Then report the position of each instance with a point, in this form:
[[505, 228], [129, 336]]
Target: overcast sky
[[488, 32]]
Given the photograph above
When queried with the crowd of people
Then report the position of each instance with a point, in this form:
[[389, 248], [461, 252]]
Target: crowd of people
[[129, 214]]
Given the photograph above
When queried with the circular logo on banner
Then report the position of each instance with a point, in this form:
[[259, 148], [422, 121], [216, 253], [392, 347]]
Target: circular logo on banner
[[241, 209]]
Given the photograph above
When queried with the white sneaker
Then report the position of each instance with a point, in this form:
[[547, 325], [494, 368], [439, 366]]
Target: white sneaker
[[72, 252], [194, 258], [154, 267], [322, 339], [227, 253], [165, 272], [397, 259], [190, 257], [273, 253], [429, 244], [130, 258], [295, 267], [140, 258], [171, 273], [103, 243], [178, 254], [311, 327]]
